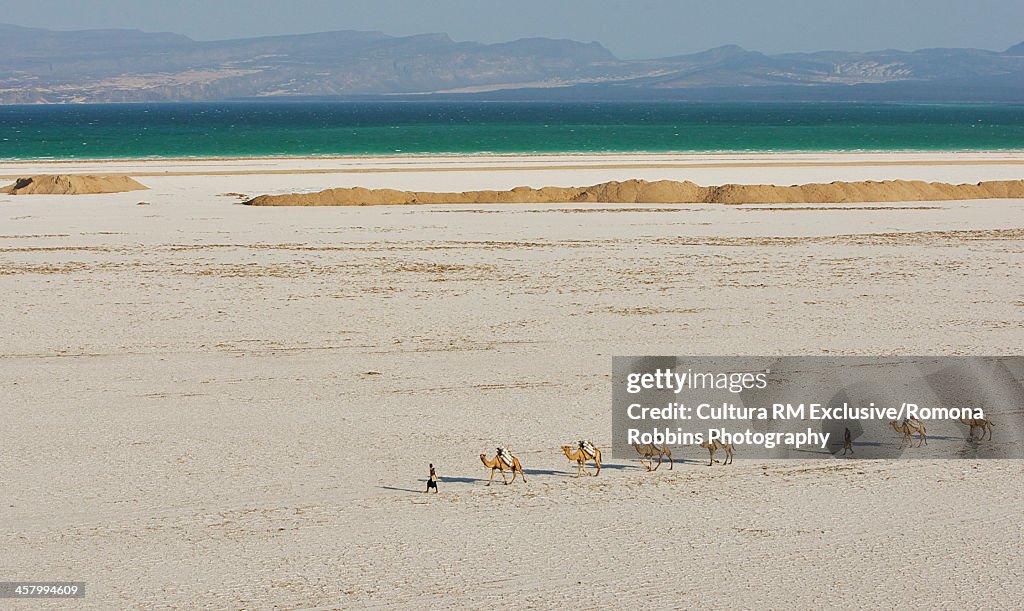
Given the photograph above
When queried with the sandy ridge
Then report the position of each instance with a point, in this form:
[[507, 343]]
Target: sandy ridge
[[72, 184], [663, 191]]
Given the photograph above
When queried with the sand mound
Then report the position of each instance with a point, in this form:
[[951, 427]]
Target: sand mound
[[72, 184], [664, 192]]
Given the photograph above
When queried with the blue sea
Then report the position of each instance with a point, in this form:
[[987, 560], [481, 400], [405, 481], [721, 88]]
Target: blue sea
[[261, 129]]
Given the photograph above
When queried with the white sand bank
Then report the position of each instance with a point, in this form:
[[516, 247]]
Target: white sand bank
[[196, 424]]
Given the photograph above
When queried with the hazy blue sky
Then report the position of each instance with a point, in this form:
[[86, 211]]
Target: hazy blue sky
[[630, 28]]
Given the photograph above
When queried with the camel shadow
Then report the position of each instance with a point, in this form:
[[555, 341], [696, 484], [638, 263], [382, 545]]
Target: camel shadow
[[818, 452], [545, 472], [448, 479], [664, 465], [621, 467]]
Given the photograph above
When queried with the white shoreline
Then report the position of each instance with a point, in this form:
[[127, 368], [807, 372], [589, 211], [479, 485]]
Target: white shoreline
[[457, 173]]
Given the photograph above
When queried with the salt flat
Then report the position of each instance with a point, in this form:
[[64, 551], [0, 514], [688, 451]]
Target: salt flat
[[213, 405]]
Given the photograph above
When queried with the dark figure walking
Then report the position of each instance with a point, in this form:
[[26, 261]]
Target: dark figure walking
[[847, 442], [432, 480]]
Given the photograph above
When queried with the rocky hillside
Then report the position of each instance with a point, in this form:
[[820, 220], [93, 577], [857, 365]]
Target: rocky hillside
[[130, 66]]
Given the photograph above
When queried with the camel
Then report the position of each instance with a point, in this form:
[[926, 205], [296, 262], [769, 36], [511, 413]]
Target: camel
[[649, 450], [908, 428], [985, 424], [580, 457], [499, 464], [714, 446]]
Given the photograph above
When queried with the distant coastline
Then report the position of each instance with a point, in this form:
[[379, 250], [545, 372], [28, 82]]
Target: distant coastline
[[109, 66]]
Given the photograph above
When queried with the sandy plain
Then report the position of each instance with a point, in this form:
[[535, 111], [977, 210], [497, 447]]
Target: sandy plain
[[209, 405]]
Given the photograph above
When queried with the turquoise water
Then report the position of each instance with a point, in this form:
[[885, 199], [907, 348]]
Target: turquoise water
[[402, 128]]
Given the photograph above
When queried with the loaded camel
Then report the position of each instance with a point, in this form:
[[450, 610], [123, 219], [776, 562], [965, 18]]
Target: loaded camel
[[909, 428], [580, 454], [714, 446], [985, 424], [501, 461], [649, 450]]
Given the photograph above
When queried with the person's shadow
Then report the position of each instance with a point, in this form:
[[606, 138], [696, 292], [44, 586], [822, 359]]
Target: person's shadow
[[400, 489], [446, 479]]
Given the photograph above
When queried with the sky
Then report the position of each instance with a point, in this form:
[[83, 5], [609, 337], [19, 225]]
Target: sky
[[632, 29]]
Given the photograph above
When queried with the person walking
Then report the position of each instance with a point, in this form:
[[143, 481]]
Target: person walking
[[432, 480]]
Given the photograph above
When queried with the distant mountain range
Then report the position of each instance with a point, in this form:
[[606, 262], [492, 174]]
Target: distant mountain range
[[44, 66]]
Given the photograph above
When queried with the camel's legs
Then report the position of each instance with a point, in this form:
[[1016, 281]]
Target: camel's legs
[[492, 477], [584, 463]]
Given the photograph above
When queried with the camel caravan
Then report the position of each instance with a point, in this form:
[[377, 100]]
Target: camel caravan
[[584, 451], [501, 461], [715, 446], [909, 428], [985, 424], [648, 451], [912, 426]]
